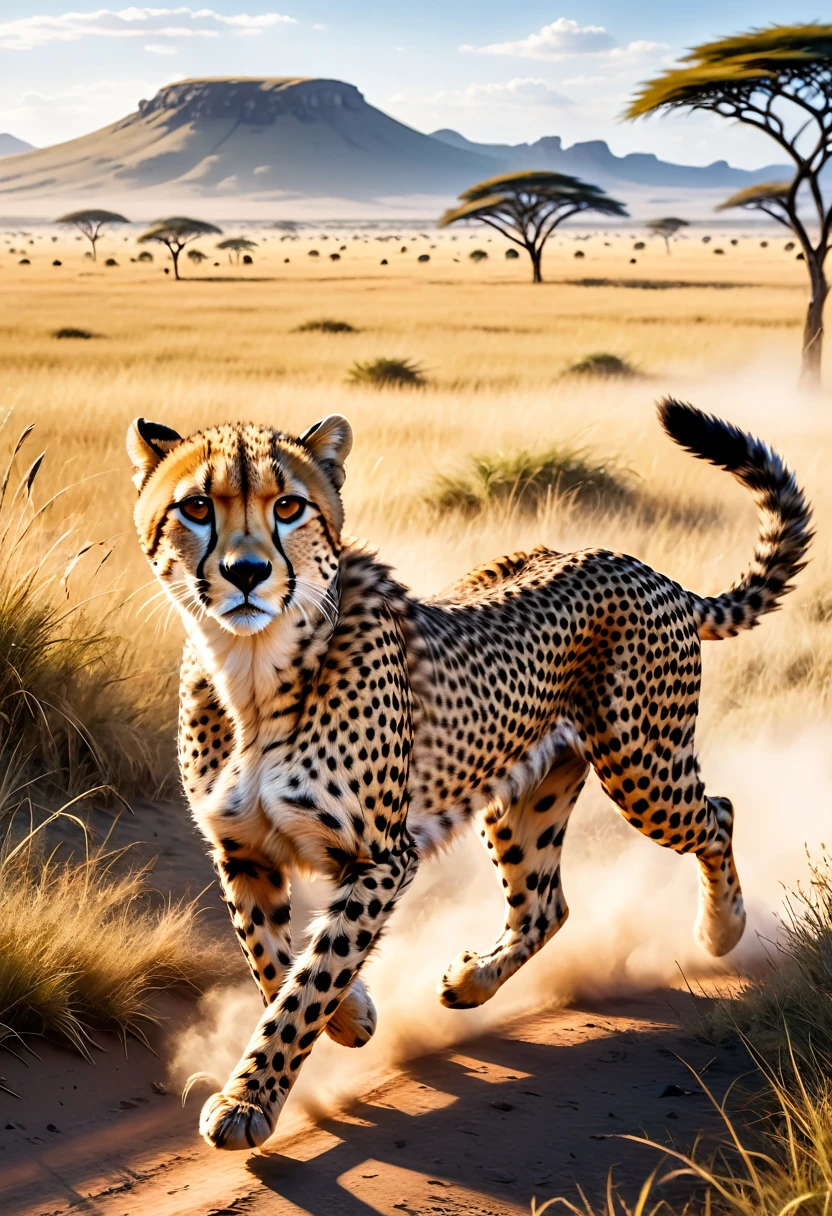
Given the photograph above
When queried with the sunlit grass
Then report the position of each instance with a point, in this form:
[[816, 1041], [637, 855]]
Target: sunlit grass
[[72, 710], [86, 945]]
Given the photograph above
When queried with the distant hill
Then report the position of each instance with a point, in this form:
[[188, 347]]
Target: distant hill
[[594, 162], [305, 147], [10, 145]]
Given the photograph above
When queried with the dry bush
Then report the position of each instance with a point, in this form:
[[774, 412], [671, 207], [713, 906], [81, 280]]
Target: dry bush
[[87, 945]]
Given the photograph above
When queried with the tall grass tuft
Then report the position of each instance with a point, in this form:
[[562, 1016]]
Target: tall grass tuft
[[86, 946], [528, 479], [67, 708]]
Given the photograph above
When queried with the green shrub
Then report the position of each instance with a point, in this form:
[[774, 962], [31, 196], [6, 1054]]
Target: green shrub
[[70, 331], [387, 373], [527, 479], [477, 255], [606, 365], [511, 254], [325, 326]]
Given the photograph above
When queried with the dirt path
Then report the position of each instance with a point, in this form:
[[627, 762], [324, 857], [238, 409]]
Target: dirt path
[[473, 1131]]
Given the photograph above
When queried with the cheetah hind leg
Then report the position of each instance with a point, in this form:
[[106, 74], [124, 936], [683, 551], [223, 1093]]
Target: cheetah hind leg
[[721, 918], [354, 1021], [525, 844]]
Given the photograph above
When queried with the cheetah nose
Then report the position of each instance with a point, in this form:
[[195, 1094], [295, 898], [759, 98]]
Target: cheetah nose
[[246, 573]]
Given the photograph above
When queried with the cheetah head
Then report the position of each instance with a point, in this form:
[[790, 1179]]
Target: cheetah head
[[241, 523]]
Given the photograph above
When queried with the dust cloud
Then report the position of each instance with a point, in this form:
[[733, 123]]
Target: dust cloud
[[632, 908]]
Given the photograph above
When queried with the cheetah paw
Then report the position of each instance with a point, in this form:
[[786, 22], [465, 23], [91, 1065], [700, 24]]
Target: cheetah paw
[[354, 1021], [468, 982], [233, 1123]]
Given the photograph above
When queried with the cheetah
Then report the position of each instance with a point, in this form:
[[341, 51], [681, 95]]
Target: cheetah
[[333, 723]]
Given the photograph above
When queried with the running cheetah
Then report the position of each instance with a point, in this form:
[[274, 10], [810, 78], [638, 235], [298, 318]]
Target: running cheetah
[[333, 723]]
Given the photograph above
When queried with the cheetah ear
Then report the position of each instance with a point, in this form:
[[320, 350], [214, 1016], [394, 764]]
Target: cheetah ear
[[329, 442], [148, 443]]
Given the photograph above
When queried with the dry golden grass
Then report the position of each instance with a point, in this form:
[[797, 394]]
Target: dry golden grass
[[70, 712], [87, 946]]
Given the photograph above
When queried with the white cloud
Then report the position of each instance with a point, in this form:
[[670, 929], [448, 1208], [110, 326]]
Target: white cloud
[[161, 48], [26, 33], [525, 91], [563, 37], [640, 49]]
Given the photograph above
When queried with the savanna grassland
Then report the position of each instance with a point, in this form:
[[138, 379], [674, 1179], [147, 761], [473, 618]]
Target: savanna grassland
[[495, 350], [497, 356]]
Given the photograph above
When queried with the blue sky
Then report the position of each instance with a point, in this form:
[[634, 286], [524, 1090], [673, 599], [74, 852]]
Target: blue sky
[[494, 71]]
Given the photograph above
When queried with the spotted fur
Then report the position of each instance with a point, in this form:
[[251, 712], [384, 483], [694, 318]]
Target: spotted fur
[[333, 723]]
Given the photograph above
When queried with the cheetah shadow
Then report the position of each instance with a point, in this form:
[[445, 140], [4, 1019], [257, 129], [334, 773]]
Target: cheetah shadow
[[505, 1117]]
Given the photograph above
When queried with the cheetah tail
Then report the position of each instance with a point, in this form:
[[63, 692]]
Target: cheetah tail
[[785, 518]]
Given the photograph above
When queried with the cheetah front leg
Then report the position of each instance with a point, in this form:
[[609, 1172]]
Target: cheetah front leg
[[525, 845], [244, 1114], [257, 894]]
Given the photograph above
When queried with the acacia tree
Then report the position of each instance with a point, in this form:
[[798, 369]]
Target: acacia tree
[[91, 223], [238, 245], [196, 256], [526, 207], [666, 227], [176, 232], [777, 80]]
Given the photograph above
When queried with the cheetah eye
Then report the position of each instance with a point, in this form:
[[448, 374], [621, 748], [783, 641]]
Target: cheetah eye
[[289, 508], [198, 508]]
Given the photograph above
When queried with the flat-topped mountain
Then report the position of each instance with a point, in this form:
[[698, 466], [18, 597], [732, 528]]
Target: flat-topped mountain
[[264, 145], [281, 137]]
